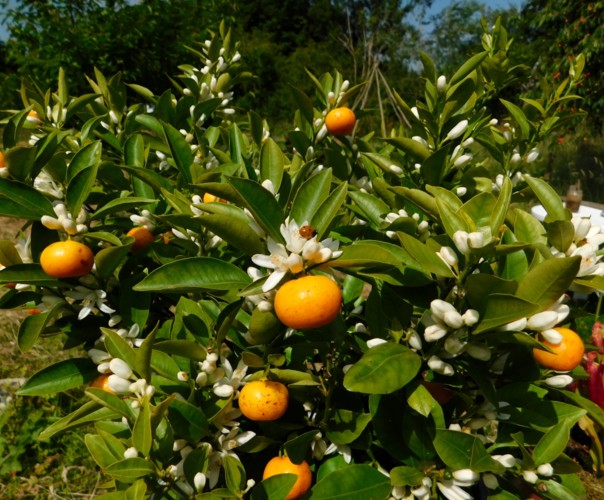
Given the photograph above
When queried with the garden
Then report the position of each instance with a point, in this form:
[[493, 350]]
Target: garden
[[337, 311]]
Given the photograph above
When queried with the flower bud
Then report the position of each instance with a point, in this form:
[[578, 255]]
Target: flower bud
[[461, 191], [131, 452], [559, 381], [490, 481], [441, 83], [545, 470], [120, 368], [532, 155], [51, 222], [118, 384], [223, 390], [514, 326], [466, 475], [505, 460], [462, 160], [476, 239], [457, 130], [199, 480], [460, 238], [552, 336], [448, 255], [453, 319], [530, 476], [415, 341], [439, 366], [543, 320], [433, 333], [395, 169], [470, 317], [439, 308], [375, 342]]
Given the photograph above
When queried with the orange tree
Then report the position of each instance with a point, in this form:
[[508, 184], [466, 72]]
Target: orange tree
[[446, 284]]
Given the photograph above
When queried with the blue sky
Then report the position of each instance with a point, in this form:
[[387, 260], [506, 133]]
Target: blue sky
[[437, 6]]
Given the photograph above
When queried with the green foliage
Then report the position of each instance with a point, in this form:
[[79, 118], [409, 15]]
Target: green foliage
[[425, 379]]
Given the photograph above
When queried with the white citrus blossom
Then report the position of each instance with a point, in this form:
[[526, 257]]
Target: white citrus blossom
[[89, 300]]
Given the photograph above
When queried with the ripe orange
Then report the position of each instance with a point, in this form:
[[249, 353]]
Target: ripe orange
[[263, 400], [102, 382], [2, 162], [67, 259], [308, 302], [142, 237], [567, 355], [340, 121], [283, 465]]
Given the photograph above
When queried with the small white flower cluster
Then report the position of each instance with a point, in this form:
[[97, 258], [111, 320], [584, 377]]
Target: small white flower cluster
[[321, 447], [44, 183], [64, 220], [225, 380], [423, 227], [145, 219], [122, 380], [460, 157], [298, 251], [515, 178]]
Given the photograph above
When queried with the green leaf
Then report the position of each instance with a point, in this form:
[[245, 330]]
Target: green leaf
[[185, 348], [79, 188], [20, 162], [459, 450], [130, 469], [328, 210], [234, 473], [425, 256], [234, 231], [34, 325], [87, 413], [371, 206], [109, 259], [415, 149], [274, 487], [383, 369], [8, 253], [560, 234], [548, 281], [346, 426], [405, 476], [519, 118], [354, 482], [119, 348], [194, 273], [502, 309], [502, 205], [87, 157], [297, 448], [99, 451], [467, 67], [272, 163], [189, 421], [180, 150], [262, 204], [419, 198], [27, 198], [551, 201], [369, 253], [109, 400], [61, 376], [310, 196], [142, 434], [121, 204], [554, 441]]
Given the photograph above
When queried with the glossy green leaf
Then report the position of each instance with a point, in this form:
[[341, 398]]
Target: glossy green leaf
[[502, 206], [234, 231], [459, 450], [467, 67], [329, 210], [234, 474], [79, 189], [420, 198], [119, 348], [425, 256], [547, 282], [121, 204], [180, 150], [185, 348], [20, 162], [34, 325], [190, 421], [370, 205], [519, 117], [142, 434], [551, 201], [421, 401], [414, 149], [433, 168], [61, 376], [274, 487], [480, 209], [502, 309], [194, 273], [553, 442], [526, 227], [87, 157], [354, 482], [109, 400], [272, 163], [405, 476], [99, 451], [346, 426], [109, 259], [262, 204], [310, 196], [371, 253], [383, 369], [298, 447], [87, 413], [27, 198], [560, 234], [130, 469]]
